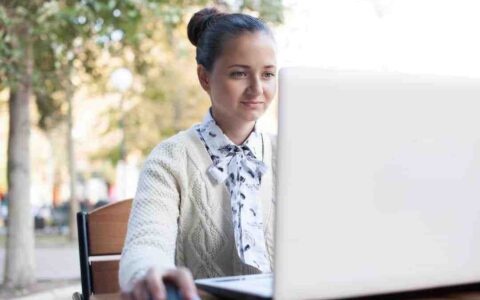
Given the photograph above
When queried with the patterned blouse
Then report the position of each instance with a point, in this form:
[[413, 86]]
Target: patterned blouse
[[239, 167]]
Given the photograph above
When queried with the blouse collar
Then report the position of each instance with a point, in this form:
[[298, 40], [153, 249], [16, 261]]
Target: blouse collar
[[216, 139]]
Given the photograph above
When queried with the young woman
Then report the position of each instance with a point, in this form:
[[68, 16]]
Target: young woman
[[204, 203]]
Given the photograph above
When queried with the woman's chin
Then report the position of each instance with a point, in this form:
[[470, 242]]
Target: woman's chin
[[252, 113], [252, 116]]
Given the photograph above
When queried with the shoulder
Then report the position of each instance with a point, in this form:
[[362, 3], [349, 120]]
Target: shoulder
[[175, 147], [178, 152], [272, 139], [271, 142]]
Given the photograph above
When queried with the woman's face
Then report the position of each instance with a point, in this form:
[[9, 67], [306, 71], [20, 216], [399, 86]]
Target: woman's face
[[243, 81]]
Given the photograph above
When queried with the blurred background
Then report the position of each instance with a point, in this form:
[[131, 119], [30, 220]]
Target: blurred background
[[89, 87]]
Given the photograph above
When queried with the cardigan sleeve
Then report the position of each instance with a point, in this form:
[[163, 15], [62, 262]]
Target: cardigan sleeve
[[152, 226]]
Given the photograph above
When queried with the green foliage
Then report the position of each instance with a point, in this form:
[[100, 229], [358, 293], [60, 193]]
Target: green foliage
[[269, 10], [80, 42]]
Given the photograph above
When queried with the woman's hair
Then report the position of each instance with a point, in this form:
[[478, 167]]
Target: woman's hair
[[209, 30]]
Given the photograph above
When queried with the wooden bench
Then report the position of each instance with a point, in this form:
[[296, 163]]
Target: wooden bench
[[101, 235]]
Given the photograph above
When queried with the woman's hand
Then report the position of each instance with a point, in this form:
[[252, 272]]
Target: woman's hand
[[151, 286]]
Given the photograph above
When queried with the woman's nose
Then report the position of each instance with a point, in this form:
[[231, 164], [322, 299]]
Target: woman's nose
[[255, 87]]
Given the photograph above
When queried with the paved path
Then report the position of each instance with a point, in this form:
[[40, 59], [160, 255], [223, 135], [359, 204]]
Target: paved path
[[52, 263], [63, 293]]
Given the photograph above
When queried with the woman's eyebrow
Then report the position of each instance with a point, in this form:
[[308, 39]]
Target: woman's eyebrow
[[248, 67], [237, 65]]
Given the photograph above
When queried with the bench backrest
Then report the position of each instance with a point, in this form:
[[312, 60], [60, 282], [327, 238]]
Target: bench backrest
[[101, 235]]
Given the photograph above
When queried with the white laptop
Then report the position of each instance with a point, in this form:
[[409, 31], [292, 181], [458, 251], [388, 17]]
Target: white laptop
[[378, 187]]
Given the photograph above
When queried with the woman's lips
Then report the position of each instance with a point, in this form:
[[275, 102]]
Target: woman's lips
[[252, 104]]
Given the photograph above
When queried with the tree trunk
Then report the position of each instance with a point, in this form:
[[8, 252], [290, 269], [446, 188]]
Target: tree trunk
[[20, 248], [74, 205], [178, 101]]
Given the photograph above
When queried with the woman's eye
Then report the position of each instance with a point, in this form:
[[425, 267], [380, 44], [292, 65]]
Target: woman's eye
[[269, 75], [238, 74]]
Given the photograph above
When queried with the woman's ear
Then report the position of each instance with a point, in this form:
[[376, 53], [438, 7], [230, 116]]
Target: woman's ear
[[203, 77]]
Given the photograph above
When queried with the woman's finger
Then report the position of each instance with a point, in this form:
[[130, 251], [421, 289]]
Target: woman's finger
[[139, 291], [183, 278], [155, 285], [125, 296]]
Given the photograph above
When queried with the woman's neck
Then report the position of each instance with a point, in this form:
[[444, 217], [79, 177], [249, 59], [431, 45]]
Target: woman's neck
[[237, 132]]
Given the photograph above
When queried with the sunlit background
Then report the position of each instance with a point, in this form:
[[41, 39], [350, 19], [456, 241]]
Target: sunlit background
[[415, 36]]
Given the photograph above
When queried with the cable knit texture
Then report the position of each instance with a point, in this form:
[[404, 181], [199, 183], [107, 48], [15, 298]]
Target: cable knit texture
[[181, 217]]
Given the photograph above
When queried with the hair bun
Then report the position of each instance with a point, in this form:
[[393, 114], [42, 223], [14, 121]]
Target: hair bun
[[199, 22]]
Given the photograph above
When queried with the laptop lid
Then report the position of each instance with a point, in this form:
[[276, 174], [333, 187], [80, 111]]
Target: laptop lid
[[378, 183]]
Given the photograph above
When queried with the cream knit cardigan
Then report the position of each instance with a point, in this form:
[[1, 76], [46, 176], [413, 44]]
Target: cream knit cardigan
[[180, 217]]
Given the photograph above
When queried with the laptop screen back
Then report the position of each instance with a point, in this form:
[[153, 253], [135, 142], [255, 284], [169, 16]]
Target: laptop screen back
[[378, 183]]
